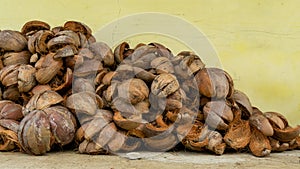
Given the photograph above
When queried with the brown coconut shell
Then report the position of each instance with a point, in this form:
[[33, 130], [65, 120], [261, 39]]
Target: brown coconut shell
[[239, 132], [8, 140], [259, 143], [286, 135]]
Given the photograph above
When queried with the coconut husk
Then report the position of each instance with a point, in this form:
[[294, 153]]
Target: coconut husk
[[197, 139], [8, 140], [259, 143], [239, 133]]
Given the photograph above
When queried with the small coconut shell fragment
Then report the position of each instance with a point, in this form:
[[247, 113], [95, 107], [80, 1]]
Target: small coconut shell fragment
[[9, 124], [144, 75], [26, 78], [12, 93], [93, 127], [86, 102], [196, 139], [214, 83], [47, 67], [66, 51], [277, 119], [106, 134], [12, 41], [90, 147], [287, 134], [259, 143], [164, 85], [162, 65], [42, 100], [127, 124], [42, 40], [120, 52], [260, 122], [161, 143], [8, 140], [88, 68], [244, 103], [103, 53], [151, 130], [10, 110], [277, 146], [13, 58], [217, 114], [59, 42], [9, 75], [133, 90], [239, 133], [68, 77], [34, 25], [78, 27], [215, 143], [70, 34]]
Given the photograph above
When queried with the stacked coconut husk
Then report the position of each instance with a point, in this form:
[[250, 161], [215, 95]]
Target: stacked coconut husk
[[60, 87]]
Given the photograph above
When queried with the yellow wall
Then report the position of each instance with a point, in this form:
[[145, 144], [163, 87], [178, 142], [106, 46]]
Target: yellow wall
[[258, 42]]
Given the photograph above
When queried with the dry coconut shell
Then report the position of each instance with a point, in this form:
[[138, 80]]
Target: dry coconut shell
[[85, 102], [243, 102], [34, 25], [13, 58], [259, 143], [10, 110], [42, 100], [215, 143], [106, 134], [96, 123], [157, 128], [162, 142], [127, 124], [260, 122], [47, 67], [8, 140], [9, 124], [277, 119], [286, 135], [12, 41], [197, 139], [90, 147], [120, 52], [217, 114], [239, 133], [78, 27], [277, 146], [67, 82], [214, 83]]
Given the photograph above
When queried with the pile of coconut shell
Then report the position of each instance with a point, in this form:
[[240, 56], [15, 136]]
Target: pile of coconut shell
[[60, 89]]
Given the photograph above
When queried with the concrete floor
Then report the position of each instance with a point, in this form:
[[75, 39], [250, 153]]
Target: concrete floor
[[174, 160]]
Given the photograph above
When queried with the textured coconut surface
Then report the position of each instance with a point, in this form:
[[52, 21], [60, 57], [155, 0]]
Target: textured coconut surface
[[174, 160]]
